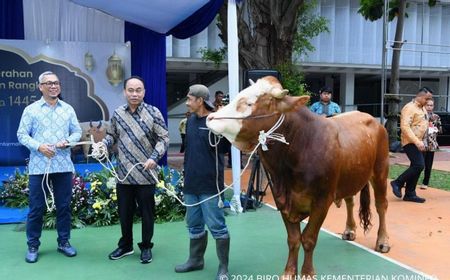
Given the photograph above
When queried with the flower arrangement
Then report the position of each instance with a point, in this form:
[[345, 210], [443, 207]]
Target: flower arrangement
[[168, 208], [15, 191], [102, 210], [94, 198]]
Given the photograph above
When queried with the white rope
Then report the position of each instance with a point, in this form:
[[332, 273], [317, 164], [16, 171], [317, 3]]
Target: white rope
[[51, 205], [263, 136], [100, 153]]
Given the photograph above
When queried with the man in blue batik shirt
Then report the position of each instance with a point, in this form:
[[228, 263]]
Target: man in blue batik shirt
[[325, 106], [45, 128]]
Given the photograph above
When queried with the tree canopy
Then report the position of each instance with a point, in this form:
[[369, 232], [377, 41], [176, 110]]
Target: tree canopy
[[271, 31]]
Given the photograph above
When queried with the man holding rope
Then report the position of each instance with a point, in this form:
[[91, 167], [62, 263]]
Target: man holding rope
[[46, 127], [142, 137], [203, 180]]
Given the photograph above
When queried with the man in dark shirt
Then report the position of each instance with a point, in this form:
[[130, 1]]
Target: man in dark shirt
[[203, 170]]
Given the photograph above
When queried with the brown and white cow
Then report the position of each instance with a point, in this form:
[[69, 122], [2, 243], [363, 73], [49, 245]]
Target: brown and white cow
[[326, 160]]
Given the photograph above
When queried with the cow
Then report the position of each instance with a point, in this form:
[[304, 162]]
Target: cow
[[313, 161], [98, 131]]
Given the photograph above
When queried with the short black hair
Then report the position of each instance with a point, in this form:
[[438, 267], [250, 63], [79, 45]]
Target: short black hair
[[326, 89], [426, 89], [132, 77], [219, 92]]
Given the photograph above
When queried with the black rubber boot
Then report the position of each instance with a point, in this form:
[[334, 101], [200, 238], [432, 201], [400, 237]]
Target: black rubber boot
[[223, 249], [197, 248]]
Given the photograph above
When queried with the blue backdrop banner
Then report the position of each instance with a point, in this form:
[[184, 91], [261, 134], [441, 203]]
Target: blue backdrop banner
[[89, 92]]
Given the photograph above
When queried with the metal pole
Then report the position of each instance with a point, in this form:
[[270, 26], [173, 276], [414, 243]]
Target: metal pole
[[233, 87], [421, 41], [383, 62]]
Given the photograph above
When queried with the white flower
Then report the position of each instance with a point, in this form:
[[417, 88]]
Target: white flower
[[158, 199], [111, 183]]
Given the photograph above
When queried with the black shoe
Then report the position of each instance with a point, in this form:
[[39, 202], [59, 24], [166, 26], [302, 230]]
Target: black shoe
[[396, 189], [67, 249], [120, 253], [32, 255], [414, 198], [146, 255]]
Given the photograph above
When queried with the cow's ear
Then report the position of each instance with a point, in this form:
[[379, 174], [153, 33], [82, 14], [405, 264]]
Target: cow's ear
[[292, 103]]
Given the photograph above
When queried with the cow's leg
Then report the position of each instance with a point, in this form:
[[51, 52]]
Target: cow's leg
[[379, 186], [293, 239], [86, 152], [350, 225], [310, 234]]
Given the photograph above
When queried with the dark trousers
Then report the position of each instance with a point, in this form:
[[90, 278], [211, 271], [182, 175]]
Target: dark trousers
[[428, 157], [183, 142], [127, 197], [411, 175], [62, 190]]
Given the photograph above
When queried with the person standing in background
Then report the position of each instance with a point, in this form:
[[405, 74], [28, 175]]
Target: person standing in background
[[413, 125], [325, 106], [45, 128], [182, 129], [218, 101], [431, 144]]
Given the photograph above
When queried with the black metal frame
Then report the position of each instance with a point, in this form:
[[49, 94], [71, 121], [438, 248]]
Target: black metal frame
[[255, 190]]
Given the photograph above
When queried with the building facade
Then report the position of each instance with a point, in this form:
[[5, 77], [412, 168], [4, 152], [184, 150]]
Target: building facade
[[348, 58]]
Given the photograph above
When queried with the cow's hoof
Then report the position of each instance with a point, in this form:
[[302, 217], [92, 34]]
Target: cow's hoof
[[383, 248], [349, 235]]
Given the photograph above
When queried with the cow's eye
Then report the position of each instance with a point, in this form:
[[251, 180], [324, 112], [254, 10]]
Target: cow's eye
[[249, 104]]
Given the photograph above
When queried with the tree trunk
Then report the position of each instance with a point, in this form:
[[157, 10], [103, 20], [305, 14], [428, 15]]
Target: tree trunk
[[394, 87], [266, 30]]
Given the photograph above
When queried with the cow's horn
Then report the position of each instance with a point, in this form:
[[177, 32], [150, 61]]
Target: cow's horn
[[90, 124], [99, 125], [279, 93], [251, 82]]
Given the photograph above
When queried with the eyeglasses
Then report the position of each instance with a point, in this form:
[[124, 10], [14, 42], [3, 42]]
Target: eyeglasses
[[133, 90], [49, 84]]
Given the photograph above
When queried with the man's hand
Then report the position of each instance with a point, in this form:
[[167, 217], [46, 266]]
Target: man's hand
[[421, 146], [47, 150], [150, 164], [61, 144]]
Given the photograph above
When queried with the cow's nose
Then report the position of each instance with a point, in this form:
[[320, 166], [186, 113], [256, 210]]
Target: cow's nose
[[210, 117]]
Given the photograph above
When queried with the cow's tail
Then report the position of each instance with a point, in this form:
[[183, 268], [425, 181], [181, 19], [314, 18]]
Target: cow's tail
[[364, 208]]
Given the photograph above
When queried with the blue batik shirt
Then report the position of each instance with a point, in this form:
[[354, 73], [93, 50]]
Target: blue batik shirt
[[139, 135], [44, 124], [328, 110]]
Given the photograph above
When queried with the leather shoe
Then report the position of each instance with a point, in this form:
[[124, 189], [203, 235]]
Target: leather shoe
[[120, 253], [146, 256], [414, 198], [67, 249], [396, 189], [32, 255]]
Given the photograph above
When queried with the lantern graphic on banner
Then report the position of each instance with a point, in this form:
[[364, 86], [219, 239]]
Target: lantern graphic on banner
[[114, 71], [89, 61]]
